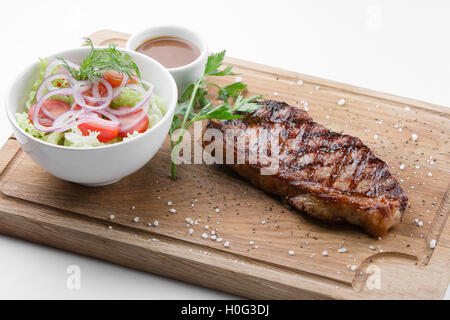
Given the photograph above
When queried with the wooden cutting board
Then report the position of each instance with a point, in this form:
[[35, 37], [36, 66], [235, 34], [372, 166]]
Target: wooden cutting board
[[41, 208]]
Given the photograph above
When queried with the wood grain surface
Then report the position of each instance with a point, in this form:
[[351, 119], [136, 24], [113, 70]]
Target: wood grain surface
[[260, 230]]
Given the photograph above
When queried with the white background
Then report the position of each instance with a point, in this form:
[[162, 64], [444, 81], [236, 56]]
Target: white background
[[399, 47]]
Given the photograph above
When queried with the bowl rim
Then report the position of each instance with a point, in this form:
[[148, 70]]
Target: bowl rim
[[199, 59], [169, 111]]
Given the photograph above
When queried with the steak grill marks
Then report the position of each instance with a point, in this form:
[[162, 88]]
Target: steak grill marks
[[316, 140], [327, 165]]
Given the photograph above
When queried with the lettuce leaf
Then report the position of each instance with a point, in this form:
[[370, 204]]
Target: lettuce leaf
[[32, 96], [74, 138], [127, 98], [24, 122]]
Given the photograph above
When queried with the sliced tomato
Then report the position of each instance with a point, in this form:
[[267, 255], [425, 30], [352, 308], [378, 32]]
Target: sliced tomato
[[107, 131], [126, 120], [115, 78], [54, 107]]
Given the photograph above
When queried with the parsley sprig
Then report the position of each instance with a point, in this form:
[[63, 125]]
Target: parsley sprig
[[99, 61], [195, 98]]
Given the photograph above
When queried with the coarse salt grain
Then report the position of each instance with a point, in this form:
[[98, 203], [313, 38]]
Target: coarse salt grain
[[375, 136], [263, 221], [252, 243], [300, 82], [136, 219], [191, 231], [170, 203], [402, 166], [420, 224], [219, 240], [432, 244], [414, 137], [342, 250], [204, 235], [430, 174], [172, 210], [291, 252], [353, 268], [217, 210], [155, 223], [341, 102], [226, 244], [325, 253], [111, 217]]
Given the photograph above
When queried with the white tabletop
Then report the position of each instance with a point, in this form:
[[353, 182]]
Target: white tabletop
[[397, 47]]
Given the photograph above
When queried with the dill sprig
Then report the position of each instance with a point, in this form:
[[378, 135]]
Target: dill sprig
[[99, 61]]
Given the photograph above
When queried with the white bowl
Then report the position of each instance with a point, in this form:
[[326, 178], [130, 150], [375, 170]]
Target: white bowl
[[184, 75], [98, 165]]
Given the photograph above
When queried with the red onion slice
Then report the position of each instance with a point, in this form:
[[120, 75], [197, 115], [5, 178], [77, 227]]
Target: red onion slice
[[114, 120], [95, 91], [43, 85], [140, 105], [37, 108], [81, 101], [136, 121], [57, 62], [136, 87], [118, 90], [96, 94], [68, 117], [52, 65], [77, 117]]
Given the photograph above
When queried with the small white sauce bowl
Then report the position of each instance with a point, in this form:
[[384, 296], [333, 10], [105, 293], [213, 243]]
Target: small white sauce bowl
[[95, 166], [184, 75]]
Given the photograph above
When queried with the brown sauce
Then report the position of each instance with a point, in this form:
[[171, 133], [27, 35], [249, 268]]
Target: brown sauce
[[171, 52]]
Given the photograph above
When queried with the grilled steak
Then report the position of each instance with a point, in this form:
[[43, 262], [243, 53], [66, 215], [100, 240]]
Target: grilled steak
[[330, 176]]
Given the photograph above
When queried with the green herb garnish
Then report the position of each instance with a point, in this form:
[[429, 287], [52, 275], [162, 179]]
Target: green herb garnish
[[99, 61], [195, 96]]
